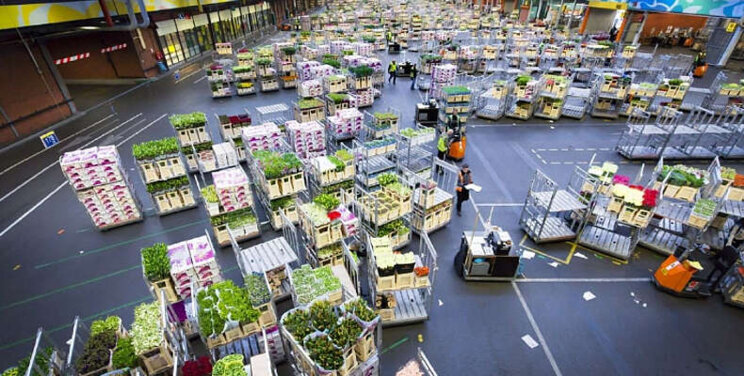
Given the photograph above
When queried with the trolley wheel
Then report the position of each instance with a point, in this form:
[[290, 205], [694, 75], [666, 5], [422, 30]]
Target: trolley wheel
[[459, 262]]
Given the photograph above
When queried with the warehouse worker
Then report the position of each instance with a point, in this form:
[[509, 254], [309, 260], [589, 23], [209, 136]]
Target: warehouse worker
[[414, 73], [391, 71], [442, 147], [389, 36], [463, 179]]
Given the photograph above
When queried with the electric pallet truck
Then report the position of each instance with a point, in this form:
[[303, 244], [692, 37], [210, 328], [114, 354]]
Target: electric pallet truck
[[458, 141], [689, 273]]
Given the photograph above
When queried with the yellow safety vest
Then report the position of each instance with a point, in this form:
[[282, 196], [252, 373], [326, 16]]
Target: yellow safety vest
[[442, 144]]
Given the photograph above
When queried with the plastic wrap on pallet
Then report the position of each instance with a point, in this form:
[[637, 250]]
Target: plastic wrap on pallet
[[324, 49], [304, 69], [225, 155], [353, 60], [233, 188], [262, 137], [346, 122], [91, 167], [311, 88], [444, 73], [307, 139], [338, 46], [362, 48], [323, 70]]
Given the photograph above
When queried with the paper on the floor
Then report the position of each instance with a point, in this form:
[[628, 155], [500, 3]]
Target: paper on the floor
[[589, 296], [529, 255], [529, 341], [580, 255], [473, 187], [554, 264], [441, 303]]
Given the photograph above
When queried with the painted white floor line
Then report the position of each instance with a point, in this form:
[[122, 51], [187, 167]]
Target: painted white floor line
[[57, 162], [540, 337], [579, 280], [189, 75], [507, 204], [199, 80], [60, 141], [43, 200]]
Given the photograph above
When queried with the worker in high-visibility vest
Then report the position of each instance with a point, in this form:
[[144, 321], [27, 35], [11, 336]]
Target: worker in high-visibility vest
[[392, 68], [442, 147]]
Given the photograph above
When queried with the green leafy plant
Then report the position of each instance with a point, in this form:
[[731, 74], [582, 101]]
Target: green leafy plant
[[360, 308], [387, 178], [326, 201], [312, 283], [155, 148], [324, 352], [124, 355], [456, 90], [275, 164], [110, 324], [675, 82], [146, 332], [322, 316], [258, 290], [263, 61], [344, 155], [192, 120], [337, 98], [168, 185], [244, 215], [297, 323], [230, 365], [340, 165], [221, 302], [156, 262], [242, 69], [361, 71], [289, 51], [332, 62], [308, 103], [523, 80], [210, 194], [97, 352], [346, 333], [282, 203]]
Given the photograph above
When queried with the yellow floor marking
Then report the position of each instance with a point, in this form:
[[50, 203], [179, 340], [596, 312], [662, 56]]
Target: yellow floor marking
[[542, 253], [614, 260]]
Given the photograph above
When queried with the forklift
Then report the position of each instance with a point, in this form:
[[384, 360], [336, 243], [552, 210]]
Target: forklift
[[458, 141], [393, 47]]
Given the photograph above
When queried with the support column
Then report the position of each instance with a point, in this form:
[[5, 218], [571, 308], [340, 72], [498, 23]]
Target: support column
[[584, 21], [637, 37], [621, 29], [730, 47], [57, 78]]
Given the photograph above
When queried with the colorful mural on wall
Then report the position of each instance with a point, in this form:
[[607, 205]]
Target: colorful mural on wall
[[12, 16], [721, 8]]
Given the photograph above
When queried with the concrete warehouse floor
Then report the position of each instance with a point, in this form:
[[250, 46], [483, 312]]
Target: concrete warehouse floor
[[56, 265]]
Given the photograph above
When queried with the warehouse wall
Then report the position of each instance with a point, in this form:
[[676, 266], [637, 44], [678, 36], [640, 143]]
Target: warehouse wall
[[25, 93], [657, 22], [112, 65], [599, 20], [146, 55]]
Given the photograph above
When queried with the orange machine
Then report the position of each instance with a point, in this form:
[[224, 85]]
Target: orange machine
[[675, 277], [458, 141]]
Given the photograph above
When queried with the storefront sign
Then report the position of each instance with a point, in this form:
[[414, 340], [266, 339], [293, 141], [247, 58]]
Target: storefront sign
[[612, 5], [720, 8]]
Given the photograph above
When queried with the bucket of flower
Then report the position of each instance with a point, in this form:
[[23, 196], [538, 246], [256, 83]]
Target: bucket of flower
[[331, 255], [358, 309], [224, 311], [286, 204], [682, 182], [158, 159], [345, 335], [281, 174], [148, 339], [404, 265], [190, 127], [728, 175], [156, 269], [260, 298], [399, 192], [321, 221]]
